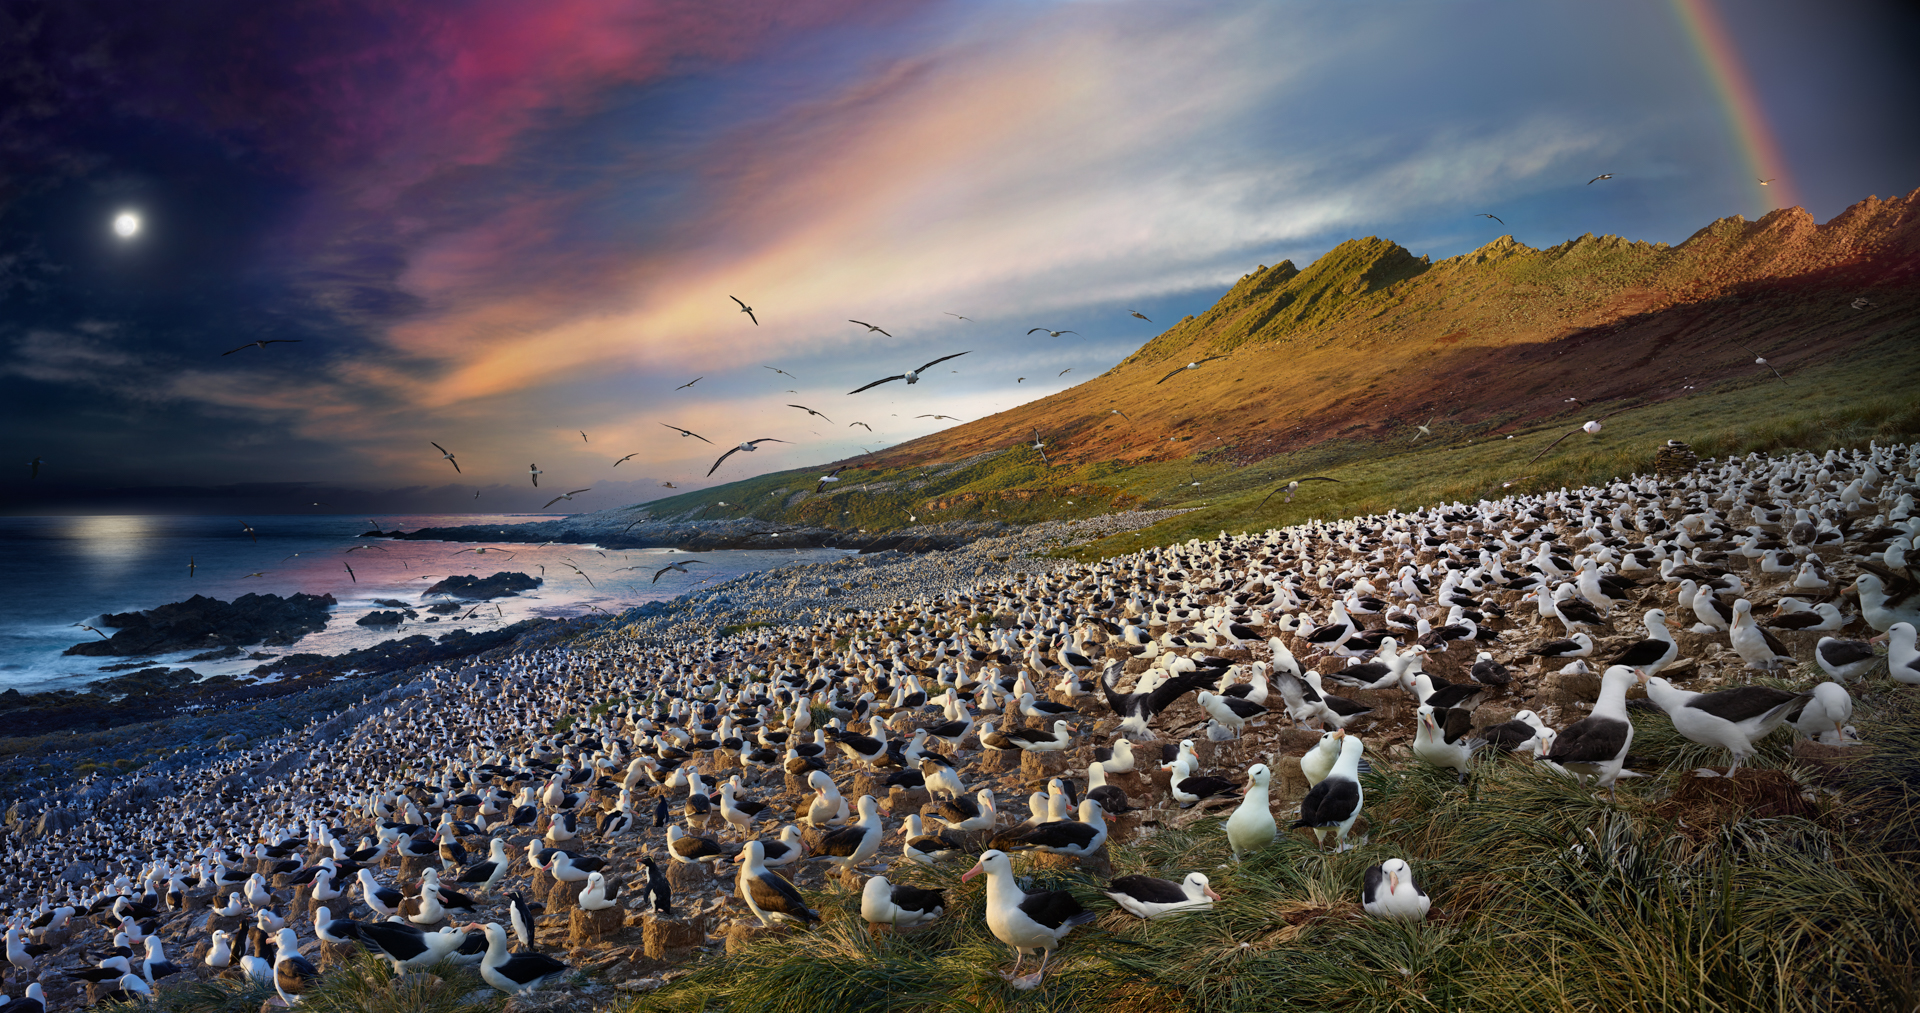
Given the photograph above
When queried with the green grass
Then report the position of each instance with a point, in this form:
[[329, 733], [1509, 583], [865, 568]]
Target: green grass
[[1865, 395], [1547, 896]]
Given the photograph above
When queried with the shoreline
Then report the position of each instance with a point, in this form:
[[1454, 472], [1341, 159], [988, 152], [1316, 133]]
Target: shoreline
[[58, 737]]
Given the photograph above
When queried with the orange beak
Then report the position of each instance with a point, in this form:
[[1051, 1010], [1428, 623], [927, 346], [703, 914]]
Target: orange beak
[[970, 873]]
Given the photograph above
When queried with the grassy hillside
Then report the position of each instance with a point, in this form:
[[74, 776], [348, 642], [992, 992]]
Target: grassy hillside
[[1331, 369]]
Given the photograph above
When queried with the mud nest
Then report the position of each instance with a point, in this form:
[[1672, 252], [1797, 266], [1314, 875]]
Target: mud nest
[[1676, 458]]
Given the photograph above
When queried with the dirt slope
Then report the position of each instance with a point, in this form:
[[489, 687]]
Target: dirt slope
[[1370, 341]]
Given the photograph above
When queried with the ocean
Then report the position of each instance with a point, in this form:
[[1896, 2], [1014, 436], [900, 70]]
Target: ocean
[[58, 571]]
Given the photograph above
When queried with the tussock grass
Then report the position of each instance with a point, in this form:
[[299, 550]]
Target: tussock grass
[[1547, 898]]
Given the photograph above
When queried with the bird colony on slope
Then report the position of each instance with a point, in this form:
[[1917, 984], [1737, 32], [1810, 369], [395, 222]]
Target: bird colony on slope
[[616, 777]]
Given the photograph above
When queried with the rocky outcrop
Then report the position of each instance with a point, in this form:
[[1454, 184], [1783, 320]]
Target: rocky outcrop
[[202, 623], [618, 529], [501, 585]]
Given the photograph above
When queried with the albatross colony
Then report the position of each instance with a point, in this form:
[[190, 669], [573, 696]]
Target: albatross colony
[[495, 814]]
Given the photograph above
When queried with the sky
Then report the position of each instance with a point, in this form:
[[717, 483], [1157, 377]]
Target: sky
[[516, 230]]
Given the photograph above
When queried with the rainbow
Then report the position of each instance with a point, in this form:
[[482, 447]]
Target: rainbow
[[1720, 58]]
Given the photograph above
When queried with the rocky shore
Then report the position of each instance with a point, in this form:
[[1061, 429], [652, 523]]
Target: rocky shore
[[51, 741]]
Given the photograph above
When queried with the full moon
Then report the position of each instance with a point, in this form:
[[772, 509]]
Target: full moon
[[126, 224]]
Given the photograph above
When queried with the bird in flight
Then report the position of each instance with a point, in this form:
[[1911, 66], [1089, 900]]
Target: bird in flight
[[583, 436], [1063, 372], [691, 382], [1040, 448], [1760, 360], [956, 316], [668, 485], [850, 425], [248, 528], [783, 372], [868, 326], [1591, 427], [566, 496], [1494, 217], [810, 411], [1766, 182], [534, 472], [625, 459], [34, 464], [949, 418], [350, 573], [257, 573], [1596, 179], [1861, 303], [1120, 413], [191, 566], [748, 310], [1137, 313], [680, 567], [912, 376], [1424, 431], [1292, 486], [831, 476], [444, 452], [1190, 365], [483, 550], [748, 446], [688, 432], [263, 343], [1052, 334], [1019, 379], [90, 629]]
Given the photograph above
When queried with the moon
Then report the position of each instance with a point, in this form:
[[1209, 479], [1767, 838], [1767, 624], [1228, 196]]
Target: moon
[[126, 224]]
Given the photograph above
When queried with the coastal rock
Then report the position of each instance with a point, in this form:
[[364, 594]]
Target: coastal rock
[[380, 618], [209, 623], [501, 585]]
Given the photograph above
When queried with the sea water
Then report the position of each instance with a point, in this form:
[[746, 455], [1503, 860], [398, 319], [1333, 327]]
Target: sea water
[[58, 571]]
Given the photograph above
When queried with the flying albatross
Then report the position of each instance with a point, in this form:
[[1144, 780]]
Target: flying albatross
[[912, 376]]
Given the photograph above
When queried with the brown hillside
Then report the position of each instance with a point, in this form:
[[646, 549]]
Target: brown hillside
[[1370, 341]]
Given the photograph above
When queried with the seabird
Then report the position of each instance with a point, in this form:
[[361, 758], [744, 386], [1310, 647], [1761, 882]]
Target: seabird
[[1596, 745], [912, 376], [534, 472], [1828, 711], [679, 567], [1494, 217], [1647, 657], [1596, 179], [1151, 899], [688, 432], [810, 411], [1190, 365], [1390, 892], [1252, 827], [1291, 487], [446, 454], [1844, 660], [1334, 804], [1025, 921], [749, 446], [1036, 741], [748, 310], [855, 843], [768, 894], [1074, 838], [1734, 719], [514, 973], [1522, 734], [292, 973], [263, 343], [1051, 333], [566, 496], [901, 906]]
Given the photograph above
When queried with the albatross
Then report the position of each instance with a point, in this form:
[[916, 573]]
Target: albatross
[[1596, 745], [912, 376], [1025, 921], [771, 896], [750, 446], [1734, 719], [1190, 365], [1150, 898]]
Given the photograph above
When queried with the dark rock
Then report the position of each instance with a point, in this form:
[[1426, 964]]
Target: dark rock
[[390, 603], [392, 655], [444, 608], [380, 619], [201, 622], [222, 654], [501, 585]]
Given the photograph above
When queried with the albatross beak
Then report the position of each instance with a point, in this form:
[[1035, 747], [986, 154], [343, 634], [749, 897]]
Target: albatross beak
[[1211, 895], [970, 873]]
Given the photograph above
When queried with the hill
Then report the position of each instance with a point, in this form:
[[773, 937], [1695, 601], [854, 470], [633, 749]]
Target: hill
[[1337, 364]]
